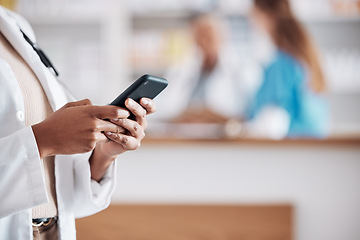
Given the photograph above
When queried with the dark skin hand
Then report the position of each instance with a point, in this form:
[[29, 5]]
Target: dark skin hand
[[79, 127], [117, 143]]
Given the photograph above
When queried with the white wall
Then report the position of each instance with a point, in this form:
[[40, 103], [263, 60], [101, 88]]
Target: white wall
[[322, 181]]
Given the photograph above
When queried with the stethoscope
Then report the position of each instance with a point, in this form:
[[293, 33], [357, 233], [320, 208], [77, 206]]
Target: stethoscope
[[46, 61]]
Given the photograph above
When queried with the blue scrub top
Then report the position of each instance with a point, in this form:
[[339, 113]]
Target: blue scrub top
[[284, 85]]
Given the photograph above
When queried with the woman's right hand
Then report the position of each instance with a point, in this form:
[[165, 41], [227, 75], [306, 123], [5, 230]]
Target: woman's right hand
[[76, 128]]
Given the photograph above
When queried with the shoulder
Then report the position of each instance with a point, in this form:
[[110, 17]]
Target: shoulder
[[286, 65], [288, 62], [20, 20], [283, 58]]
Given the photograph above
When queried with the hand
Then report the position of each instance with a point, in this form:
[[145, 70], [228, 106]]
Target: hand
[[76, 128], [133, 131]]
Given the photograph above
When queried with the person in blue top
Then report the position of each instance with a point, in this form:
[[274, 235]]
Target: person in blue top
[[288, 102]]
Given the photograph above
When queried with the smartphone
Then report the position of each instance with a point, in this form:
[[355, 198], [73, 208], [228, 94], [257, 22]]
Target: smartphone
[[146, 86]]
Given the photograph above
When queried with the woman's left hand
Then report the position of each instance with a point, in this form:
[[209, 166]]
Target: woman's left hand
[[133, 132]]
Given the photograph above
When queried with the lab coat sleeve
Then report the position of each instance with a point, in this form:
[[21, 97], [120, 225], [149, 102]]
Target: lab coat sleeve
[[91, 196], [22, 184]]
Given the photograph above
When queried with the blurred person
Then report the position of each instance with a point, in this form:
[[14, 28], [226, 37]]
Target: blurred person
[[289, 101], [57, 158], [208, 85]]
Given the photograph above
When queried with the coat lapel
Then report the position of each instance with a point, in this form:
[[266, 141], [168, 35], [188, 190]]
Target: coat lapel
[[11, 30]]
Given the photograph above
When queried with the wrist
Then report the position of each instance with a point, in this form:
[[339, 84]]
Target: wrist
[[42, 141], [100, 162]]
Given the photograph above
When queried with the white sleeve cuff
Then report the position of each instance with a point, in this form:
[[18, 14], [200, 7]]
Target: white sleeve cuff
[[106, 185], [92, 196]]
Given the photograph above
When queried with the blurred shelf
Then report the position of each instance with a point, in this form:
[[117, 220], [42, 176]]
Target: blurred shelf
[[182, 14], [64, 19], [207, 133], [185, 15], [152, 71], [79, 12], [161, 15], [160, 20], [330, 19], [340, 140]]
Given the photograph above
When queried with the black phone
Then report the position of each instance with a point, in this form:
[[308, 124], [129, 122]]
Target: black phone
[[146, 86]]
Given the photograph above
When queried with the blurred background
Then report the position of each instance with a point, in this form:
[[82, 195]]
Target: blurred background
[[238, 148]]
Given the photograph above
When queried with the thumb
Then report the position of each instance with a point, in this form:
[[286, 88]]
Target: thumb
[[83, 102]]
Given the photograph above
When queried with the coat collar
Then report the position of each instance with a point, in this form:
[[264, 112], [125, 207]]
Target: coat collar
[[10, 28]]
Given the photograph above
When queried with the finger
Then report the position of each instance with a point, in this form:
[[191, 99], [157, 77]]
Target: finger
[[133, 127], [106, 126], [127, 142], [83, 102], [149, 105], [108, 112], [100, 137], [138, 111]]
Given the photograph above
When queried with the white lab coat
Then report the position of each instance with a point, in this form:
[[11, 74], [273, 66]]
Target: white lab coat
[[228, 87], [22, 185]]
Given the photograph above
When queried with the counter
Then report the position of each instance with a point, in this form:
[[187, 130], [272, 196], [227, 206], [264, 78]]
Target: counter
[[320, 178]]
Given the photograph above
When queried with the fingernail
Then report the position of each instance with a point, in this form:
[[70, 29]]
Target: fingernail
[[145, 101], [109, 134], [130, 102], [121, 112]]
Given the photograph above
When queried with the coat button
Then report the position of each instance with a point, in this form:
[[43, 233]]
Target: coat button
[[20, 116]]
